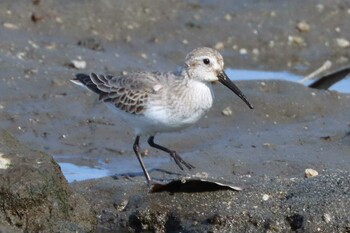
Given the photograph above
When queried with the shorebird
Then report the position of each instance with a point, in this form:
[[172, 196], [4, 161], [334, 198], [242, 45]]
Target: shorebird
[[156, 102]]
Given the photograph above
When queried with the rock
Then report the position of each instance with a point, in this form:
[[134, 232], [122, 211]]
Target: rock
[[35, 196], [10, 25], [78, 64], [343, 43], [300, 205], [310, 173], [243, 51], [4, 162], [296, 40], [219, 45], [228, 17], [303, 26], [227, 111], [265, 197], [327, 218]]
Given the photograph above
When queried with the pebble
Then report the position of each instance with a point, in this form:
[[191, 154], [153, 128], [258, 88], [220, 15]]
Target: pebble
[[243, 51], [326, 217], [10, 26], [265, 197], [296, 40], [121, 205], [303, 26], [310, 173], [228, 17], [4, 162], [227, 111], [255, 52], [144, 56], [219, 46], [268, 145], [343, 43], [79, 64], [320, 7]]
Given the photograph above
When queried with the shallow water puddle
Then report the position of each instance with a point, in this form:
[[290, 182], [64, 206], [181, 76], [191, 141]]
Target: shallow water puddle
[[115, 167], [73, 172], [342, 86]]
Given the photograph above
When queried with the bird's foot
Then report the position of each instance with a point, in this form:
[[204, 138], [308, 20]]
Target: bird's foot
[[179, 161]]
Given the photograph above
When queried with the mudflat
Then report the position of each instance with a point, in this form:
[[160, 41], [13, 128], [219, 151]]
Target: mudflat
[[265, 151]]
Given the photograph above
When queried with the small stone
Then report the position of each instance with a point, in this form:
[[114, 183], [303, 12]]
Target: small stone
[[227, 111], [310, 173], [297, 40], [144, 56], [219, 46], [265, 197], [202, 175], [243, 51], [21, 55], [327, 217], [10, 26], [268, 145], [58, 20], [228, 17], [255, 52], [51, 46], [4, 162], [144, 153], [79, 64], [36, 18], [303, 26], [343, 43], [185, 41], [320, 7], [120, 206]]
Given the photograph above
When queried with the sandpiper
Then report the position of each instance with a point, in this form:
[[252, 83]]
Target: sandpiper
[[155, 102]]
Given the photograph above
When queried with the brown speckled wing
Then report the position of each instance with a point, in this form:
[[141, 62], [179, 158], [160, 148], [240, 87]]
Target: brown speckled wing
[[127, 93]]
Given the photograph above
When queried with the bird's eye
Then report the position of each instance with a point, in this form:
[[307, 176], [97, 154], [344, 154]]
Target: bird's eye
[[206, 61]]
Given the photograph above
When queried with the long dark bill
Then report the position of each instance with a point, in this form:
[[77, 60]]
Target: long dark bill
[[228, 83]]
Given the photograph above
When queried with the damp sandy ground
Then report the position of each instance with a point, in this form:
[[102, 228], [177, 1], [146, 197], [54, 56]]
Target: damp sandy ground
[[291, 128]]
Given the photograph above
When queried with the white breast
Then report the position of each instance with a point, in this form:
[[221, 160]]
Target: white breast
[[180, 107]]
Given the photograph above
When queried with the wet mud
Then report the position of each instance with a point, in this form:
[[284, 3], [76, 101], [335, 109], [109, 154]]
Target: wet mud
[[265, 151]]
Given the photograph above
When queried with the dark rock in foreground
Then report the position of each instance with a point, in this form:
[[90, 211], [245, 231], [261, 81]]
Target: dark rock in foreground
[[317, 204], [34, 195]]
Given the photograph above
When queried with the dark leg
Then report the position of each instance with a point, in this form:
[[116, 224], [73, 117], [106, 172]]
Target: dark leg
[[172, 153], [138, 155]]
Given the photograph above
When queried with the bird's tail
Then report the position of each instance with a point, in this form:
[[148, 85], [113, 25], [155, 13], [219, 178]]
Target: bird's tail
[[86, 81]]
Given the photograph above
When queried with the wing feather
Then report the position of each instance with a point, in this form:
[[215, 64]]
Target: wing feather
[[127, 93]]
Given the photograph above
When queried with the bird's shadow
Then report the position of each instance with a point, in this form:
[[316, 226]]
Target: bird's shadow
[[182, 184]]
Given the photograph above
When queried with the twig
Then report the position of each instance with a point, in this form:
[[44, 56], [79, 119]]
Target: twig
[[323, 68]]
